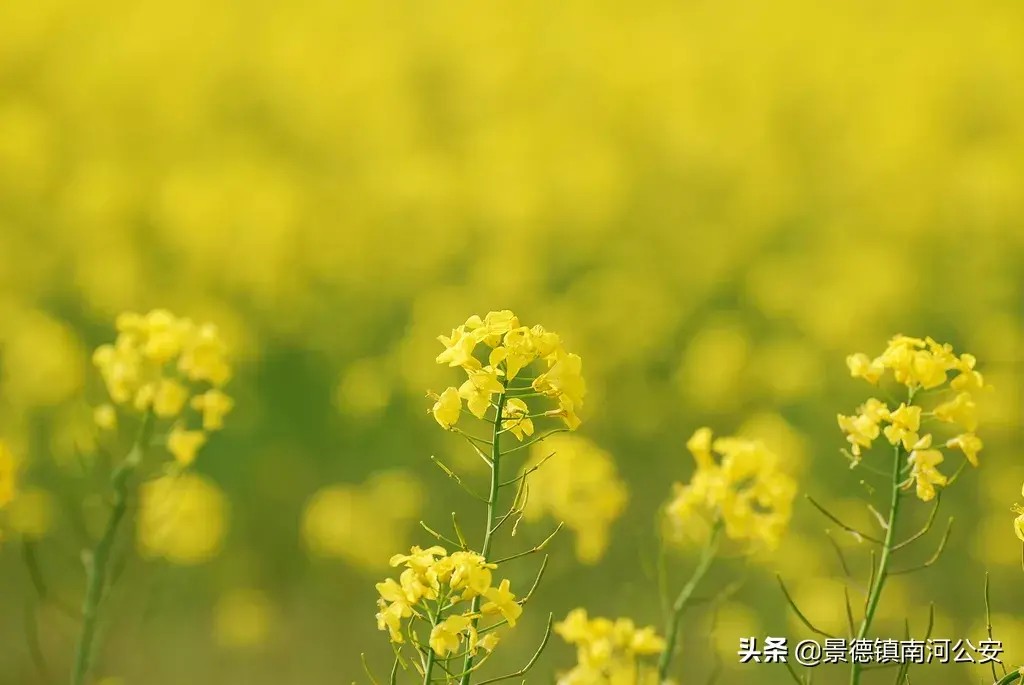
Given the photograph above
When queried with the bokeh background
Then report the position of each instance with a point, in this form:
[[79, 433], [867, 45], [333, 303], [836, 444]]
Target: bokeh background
[[713, 203]]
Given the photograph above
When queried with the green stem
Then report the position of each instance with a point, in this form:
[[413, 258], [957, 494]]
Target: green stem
[[428, 668], [96, 565], [883, 562], [492, 515], [672, 631], [1010, 677]]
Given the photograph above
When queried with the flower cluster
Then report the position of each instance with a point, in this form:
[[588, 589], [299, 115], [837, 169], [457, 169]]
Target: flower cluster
[[920, 365], [578, 486], [608, 652], [8, 478], [433, 589], [162, 364], [512, 348], [744, 487]]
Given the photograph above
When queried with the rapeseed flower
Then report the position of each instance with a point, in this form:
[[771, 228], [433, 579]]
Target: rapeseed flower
[[432, 592], [162, 364], [509, 349], [740, 482], [923, 366], [608, 652]]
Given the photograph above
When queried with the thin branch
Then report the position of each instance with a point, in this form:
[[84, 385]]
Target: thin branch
[[871, 581], [988, 626], [533, 442], [901, 674], [927, 526], [518, 505], [849, 529], [524, 599], [472, 438], [935, 557], [479, 452], [800, 614], [443, 538], [839, 553], [458, 532], [394, 669], [858, 463], [366, 667], [881, 519], [528, 471], [956, 474], [536, 655], [532, 550], [454, 476]]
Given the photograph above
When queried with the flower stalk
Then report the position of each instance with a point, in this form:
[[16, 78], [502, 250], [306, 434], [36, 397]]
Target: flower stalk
[[98, 559], [882, 572], [492, 511], [683, 598]]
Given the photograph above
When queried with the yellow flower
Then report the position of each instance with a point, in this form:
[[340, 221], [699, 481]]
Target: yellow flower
[[391, 591], [418, 585], [419, 559], [143, 399], [458, 349], [470, 573], [923, 469], [164, 335], [519, 422], [8, 475], [646, 641], [447, 408], [478, 389], [203, 357], [968, 380], [905, 422], [500, 600], [747, 489], [169, 398], [968, 443], [699, 446], [105, 417], [861, 429], [575, 627], [566, 412], [390, 618], [517, 351], [607, 652], [214, 405], [564, 378], [119, 365], [492, 327], [446, 635], [487, 643], [961, 410], [862, 366], [185, 444]]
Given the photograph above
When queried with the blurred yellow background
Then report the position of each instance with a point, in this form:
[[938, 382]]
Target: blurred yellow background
[[712, 202]]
